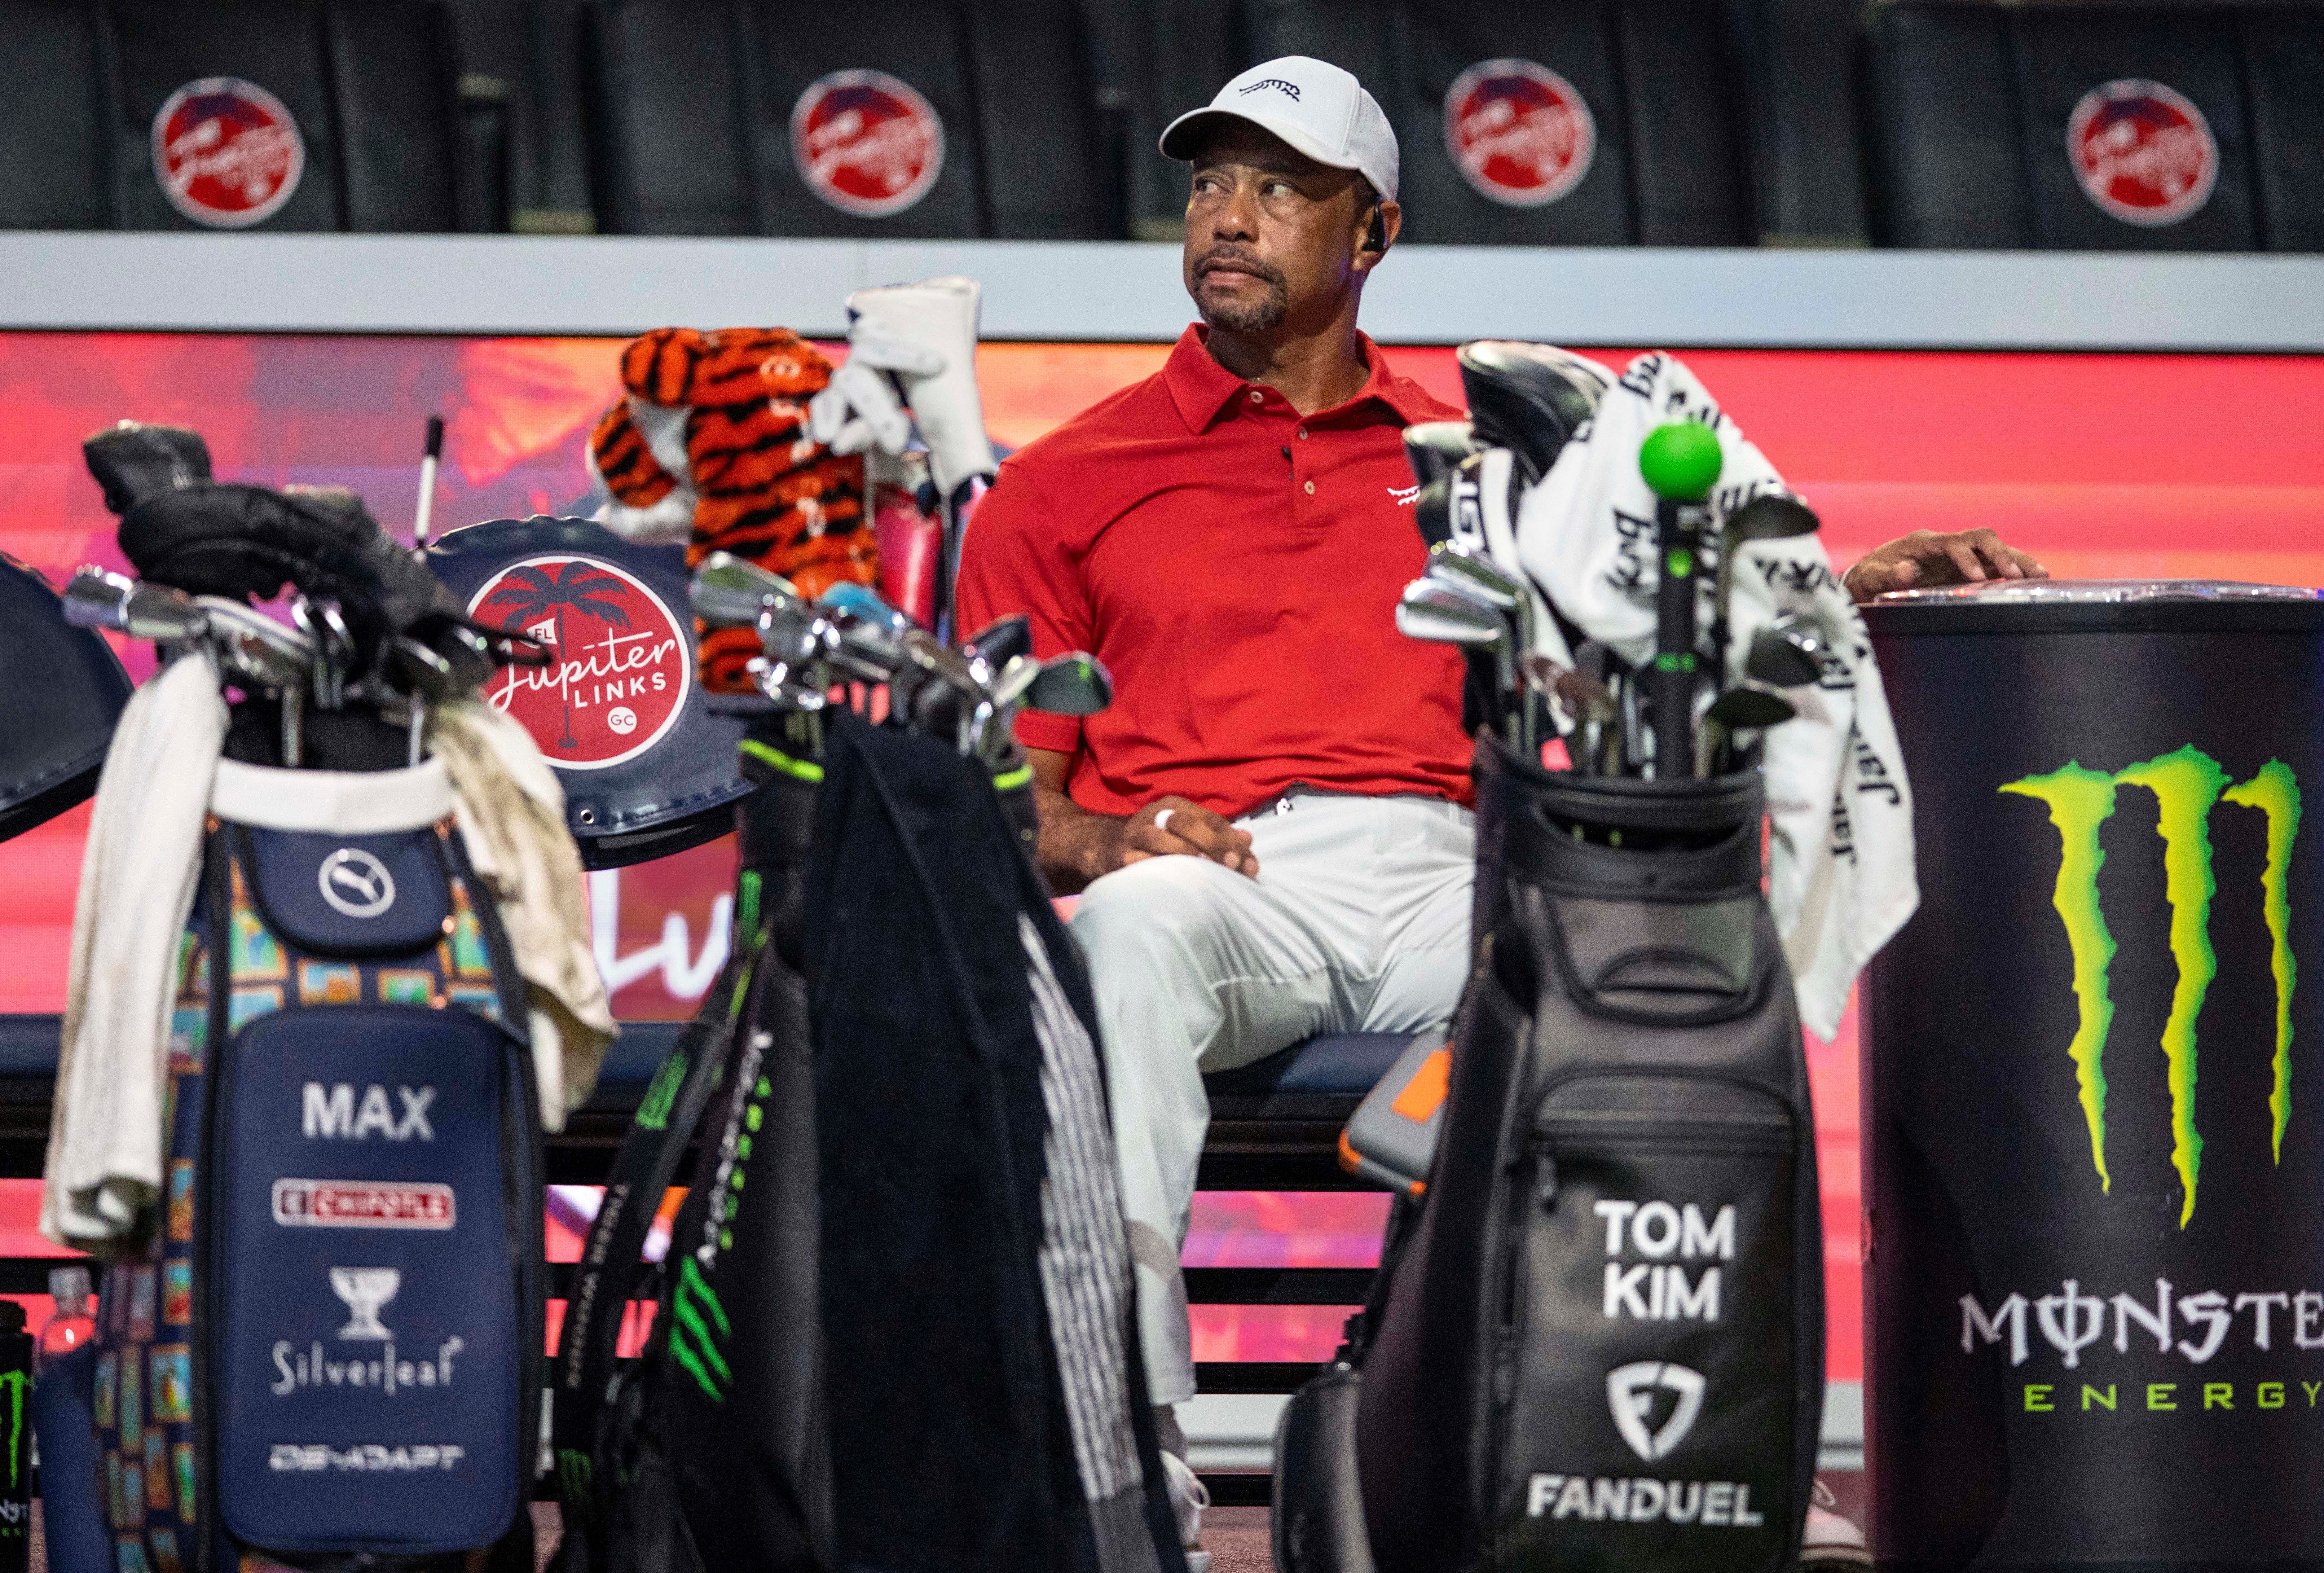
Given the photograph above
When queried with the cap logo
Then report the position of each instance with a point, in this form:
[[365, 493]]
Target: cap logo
[[1518, 133], [866, 143], [2143, 152], [1277, 83], [624, 662], [227, 153]]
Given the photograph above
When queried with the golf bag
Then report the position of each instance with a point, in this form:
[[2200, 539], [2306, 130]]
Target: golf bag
[[707, 1452], [326, 1353], [1596, 1337]]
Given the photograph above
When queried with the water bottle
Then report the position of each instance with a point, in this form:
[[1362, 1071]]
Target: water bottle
[[15, 1440], [72, 1325]]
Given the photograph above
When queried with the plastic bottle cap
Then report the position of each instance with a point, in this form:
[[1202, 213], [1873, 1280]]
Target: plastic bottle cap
[[69, 1283]]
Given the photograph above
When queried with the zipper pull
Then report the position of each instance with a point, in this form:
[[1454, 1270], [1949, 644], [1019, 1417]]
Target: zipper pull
[[1505, 1365], [1548, 1191]]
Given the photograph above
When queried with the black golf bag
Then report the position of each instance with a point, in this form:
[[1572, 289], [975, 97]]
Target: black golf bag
[[708, 1451], [883, 1336], [327, 1352], [1596, 1337]]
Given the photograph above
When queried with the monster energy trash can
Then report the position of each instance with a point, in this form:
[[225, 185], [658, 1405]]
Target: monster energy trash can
[[2093, 1091]]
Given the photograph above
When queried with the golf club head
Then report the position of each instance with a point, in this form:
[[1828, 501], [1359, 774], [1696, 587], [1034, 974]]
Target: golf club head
[[1787, 653], [1770, 516], [253, 645], [1742, 708], [1445, 614], [1001, 641], [863, 603], [1457, 562], [99, 599], [1434, 448], [1072, 684], [1529, 398], [420, 671], [730, 592]]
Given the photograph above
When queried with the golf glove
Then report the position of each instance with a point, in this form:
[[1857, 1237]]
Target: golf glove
[[921, 339]]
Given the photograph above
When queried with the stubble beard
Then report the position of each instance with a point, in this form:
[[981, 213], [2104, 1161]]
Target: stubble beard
[[1264, 316]]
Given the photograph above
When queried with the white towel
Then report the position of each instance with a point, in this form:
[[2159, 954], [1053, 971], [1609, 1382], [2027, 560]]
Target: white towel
[[1841, 877], [137, 878], [511, 818]]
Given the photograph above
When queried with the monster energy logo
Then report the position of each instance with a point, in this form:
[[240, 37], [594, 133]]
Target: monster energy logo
[[574, 1473], [693, 1341], [661, 1095], [15, 1382], [2186, 785]]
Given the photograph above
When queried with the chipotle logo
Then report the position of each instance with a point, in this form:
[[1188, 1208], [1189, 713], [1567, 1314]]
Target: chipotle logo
[[866, 143], [1519, 132], [623, 661], [2143, 152], [226, 152]]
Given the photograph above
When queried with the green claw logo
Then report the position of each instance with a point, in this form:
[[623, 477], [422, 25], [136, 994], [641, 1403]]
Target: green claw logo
[[697, 1326], [2186, 784], [17, 1382]]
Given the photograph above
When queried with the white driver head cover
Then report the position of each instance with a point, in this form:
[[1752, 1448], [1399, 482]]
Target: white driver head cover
[[940, 314]]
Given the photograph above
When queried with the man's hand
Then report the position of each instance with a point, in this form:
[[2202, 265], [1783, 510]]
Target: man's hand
[[1925, 559], [1078, 847], [1169, 827]]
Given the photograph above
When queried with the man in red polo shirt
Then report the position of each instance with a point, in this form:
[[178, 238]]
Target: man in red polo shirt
[[1269, 825]]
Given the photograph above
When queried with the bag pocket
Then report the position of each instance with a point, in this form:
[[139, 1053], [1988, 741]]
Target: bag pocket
[[373, 1371], [1644, 1364]]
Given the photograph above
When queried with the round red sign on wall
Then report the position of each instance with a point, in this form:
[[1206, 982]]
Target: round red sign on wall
[[227, 153], [1518, 133], [2143, 152], [625, 661], [866, 143]]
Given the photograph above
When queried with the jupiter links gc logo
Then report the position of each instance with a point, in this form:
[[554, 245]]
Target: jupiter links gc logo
[[356, 884], [1518, 133], [1633, 1393], [866, 143], [2143, 152]]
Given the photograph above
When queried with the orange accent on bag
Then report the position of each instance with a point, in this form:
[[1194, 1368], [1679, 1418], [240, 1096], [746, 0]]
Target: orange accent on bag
[[1423, 1095]]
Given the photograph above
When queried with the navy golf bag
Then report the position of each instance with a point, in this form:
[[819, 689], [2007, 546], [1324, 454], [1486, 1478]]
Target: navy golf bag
[[326, 1352], [1597, 1335]]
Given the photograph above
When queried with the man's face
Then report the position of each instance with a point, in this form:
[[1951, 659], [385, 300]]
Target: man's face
[[1272, 236]]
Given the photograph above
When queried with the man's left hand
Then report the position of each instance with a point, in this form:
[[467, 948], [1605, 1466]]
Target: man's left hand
[[1926, 559]]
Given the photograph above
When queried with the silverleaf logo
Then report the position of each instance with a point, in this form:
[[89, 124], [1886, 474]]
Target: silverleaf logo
[[2186, 784]]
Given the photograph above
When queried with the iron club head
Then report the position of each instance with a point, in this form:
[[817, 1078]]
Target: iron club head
[[1788, 653], [730, 592]]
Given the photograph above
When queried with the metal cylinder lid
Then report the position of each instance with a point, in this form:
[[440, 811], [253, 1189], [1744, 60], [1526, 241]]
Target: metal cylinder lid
[[2074, 605]]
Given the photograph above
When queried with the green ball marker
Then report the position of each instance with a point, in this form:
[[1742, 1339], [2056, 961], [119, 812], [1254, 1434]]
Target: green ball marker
[[1681, 461]]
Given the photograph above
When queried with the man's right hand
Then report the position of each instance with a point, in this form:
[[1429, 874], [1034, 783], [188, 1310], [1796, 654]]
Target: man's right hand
[[1078, 845], [1173, 826]]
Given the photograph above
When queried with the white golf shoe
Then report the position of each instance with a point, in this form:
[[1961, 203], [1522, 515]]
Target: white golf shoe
[[1188, 1497], [1831, 1542]]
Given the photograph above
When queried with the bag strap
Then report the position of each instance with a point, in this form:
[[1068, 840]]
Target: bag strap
[[610, 1270]]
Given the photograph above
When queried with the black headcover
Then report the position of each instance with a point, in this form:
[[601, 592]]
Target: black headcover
[[62, 692], [1529, 398], [180, 528], [1434, 448]]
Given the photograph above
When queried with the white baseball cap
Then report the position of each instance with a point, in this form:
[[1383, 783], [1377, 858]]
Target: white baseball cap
[[1313, 105]]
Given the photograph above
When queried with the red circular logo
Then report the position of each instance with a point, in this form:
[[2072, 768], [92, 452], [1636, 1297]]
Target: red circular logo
[[226, 152], [2143, 152], [1518, 133], [624, 661], [866, 143]]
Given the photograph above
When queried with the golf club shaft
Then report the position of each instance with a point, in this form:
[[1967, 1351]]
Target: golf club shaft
[[1671, 683]]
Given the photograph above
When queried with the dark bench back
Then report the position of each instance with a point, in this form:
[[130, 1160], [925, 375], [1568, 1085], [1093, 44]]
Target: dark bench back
[[2094, 128], [369, 86], [1665, 157], [904, 119]]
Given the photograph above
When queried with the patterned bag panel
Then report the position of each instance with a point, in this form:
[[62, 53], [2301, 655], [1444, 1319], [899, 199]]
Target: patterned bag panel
[[148, 1371]]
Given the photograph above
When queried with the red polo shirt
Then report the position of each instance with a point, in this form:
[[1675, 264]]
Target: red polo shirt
[[1237, 569]]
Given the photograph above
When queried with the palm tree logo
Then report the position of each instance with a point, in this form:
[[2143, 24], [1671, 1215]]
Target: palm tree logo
[[528, 593]]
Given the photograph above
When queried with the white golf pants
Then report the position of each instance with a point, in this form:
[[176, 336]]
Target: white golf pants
[[1358, 922]]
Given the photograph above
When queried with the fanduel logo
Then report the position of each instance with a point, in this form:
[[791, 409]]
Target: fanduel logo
[[333, 1114], [1658, 1290], [1630, 1398], [1719, 1503], [2186, 784]]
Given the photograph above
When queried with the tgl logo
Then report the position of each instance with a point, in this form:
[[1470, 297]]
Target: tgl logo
[[2186, 784]]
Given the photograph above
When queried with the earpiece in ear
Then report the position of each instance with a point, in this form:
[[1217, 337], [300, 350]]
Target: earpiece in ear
[[1376, 240]]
